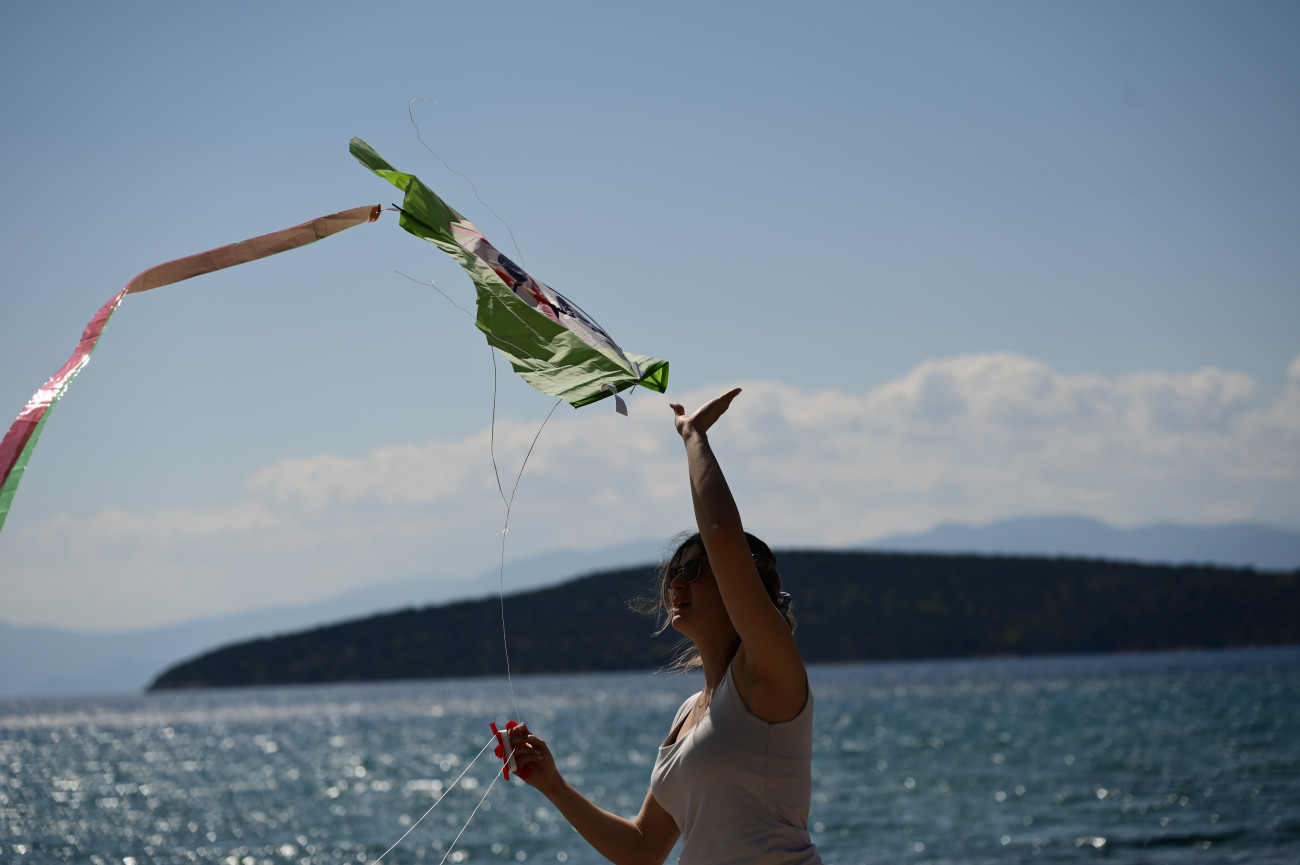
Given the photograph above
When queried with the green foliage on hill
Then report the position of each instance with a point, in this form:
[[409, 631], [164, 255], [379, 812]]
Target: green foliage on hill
[[852, 606]]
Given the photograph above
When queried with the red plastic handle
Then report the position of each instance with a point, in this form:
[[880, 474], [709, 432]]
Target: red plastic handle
[[505, 753]]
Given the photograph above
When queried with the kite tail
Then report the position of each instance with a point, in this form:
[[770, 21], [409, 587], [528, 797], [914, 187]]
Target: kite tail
[[19, 442]]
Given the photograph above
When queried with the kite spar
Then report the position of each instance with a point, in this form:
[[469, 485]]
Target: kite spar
[[18, 443]]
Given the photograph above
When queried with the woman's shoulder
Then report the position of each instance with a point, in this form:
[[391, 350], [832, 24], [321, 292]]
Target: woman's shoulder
[[768, 702]]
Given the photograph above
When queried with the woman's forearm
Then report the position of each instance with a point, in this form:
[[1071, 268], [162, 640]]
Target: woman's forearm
[[716, 511], [644, 841]]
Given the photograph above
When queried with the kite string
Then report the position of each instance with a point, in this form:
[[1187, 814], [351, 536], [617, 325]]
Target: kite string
[[455, 840], [434, 286], [505, 528], [410, 111], [509, 501], [451, 787]]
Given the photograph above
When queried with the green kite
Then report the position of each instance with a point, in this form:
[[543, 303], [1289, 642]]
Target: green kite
[[551, 343]]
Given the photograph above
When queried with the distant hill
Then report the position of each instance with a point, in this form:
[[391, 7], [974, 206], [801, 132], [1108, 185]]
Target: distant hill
[[852, 606], [38, 660], [1232, 545], [46, 661]]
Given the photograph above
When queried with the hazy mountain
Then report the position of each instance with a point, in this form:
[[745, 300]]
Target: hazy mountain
[[51, 661], [852, 606], [1237, 545], [45, 661]]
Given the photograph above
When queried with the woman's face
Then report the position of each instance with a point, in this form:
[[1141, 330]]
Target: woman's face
[[692, 594]]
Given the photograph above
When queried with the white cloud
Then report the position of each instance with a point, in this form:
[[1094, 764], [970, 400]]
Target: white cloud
[[971, 438], [980, 437], [398, 475]]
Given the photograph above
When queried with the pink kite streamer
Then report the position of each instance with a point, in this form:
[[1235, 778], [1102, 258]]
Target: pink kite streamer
[[20, 440]]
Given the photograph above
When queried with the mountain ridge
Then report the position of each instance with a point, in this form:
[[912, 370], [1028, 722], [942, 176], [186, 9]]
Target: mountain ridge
[[49, 661], [1239, 544], [852, 606]]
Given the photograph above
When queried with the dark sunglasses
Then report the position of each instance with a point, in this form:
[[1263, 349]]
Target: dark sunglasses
[[689, 571]]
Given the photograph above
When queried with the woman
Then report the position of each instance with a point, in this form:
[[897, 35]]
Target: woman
[[734, 776]]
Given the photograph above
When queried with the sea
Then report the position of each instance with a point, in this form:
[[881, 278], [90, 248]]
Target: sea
[[1187, 757]]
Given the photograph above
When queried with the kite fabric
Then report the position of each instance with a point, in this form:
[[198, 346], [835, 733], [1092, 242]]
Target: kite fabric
[[18, 443], [552, 344]]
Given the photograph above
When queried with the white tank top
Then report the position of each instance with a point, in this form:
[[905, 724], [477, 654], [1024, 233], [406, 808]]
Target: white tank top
[[737, 786]]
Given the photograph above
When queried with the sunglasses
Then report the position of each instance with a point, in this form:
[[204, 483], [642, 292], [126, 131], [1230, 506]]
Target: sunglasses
[[690, 571]]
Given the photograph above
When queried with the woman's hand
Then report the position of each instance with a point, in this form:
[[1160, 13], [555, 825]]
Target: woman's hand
[[532, 753], [704, 416], [648, 838]]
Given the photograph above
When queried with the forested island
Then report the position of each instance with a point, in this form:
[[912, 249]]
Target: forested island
[[851, 606]]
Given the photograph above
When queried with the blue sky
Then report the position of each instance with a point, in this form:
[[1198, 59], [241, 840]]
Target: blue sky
[[969, 261]]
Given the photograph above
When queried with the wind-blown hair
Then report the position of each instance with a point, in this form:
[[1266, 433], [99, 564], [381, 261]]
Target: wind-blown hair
[[659, 604]]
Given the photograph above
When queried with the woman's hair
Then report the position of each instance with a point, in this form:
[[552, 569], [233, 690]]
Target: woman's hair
[[659, 604]]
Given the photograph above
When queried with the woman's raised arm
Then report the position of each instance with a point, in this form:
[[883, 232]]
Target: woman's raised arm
[[775, 685]]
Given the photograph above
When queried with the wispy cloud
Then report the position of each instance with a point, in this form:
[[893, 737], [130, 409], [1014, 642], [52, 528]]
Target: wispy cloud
[[980, 437], [971, 438]]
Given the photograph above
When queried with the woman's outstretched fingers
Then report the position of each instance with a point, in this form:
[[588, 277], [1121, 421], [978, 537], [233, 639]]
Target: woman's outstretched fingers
[[704, 416]]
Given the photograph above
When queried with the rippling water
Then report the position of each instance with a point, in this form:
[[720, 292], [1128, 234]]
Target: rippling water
[[1183, 758]]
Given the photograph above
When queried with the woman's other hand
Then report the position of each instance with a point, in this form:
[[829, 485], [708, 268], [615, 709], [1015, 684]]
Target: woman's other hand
[[703, 417]]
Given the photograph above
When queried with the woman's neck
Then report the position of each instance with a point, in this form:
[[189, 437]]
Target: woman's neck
[[716, 659]]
